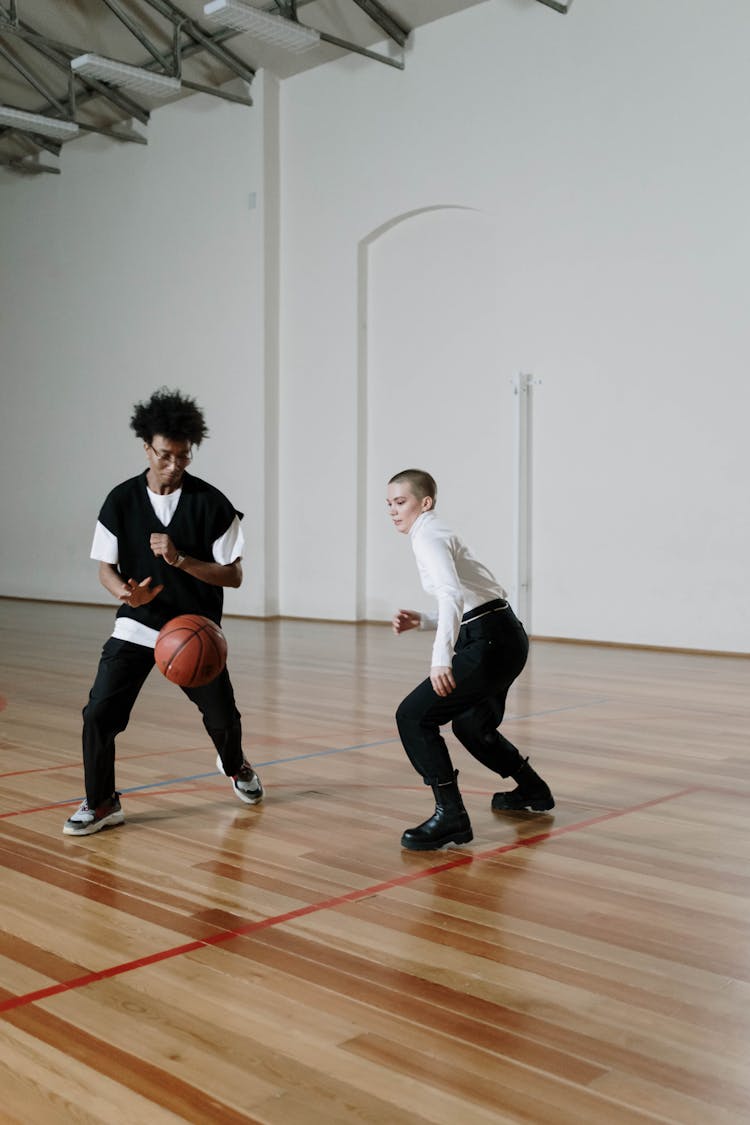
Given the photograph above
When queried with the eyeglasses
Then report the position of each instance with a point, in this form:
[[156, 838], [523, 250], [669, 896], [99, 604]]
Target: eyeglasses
[[169, 458]]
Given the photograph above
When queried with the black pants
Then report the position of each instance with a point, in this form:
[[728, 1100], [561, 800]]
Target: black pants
[[122, 672], [490, 653]]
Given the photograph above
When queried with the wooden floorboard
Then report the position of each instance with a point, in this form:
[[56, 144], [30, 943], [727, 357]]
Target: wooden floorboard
[[289, 964]]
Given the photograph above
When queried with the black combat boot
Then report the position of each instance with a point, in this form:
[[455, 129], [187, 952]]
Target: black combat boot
[[531, 793], [449, 824]]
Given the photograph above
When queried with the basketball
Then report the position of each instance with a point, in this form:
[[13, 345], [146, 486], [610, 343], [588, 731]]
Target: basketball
[[191, 650]]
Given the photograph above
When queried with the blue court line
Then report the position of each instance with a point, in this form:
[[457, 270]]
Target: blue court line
[[557, 710], [322, 753], [260, 765]]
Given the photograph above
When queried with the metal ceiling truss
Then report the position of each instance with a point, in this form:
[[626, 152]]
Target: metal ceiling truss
[[377, 13], [61, 53], [82, 90], [33, 80], [202, 40], [172, 66], [288, 9], [188, 39], [27, 167], [347, 46]]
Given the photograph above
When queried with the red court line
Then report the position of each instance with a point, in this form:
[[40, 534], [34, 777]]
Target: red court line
[[76, 765], [157, 788], [327, 904], [209, 781]]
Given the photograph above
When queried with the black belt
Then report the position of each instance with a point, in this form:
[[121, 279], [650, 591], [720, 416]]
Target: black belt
[[481, 610]]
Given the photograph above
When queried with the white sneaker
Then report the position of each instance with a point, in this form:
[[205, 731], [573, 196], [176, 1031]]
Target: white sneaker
[[86, 821], [246, 784]]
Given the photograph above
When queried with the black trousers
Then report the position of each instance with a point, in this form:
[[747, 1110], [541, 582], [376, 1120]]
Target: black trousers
[[491, 652], [122, 672]]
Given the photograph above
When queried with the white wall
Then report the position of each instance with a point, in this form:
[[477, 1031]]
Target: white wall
[[136, 267], [431, 327], [606, 152], [608, 148]]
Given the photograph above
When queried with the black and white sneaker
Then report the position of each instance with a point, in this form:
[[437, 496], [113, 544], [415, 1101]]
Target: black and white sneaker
[[86, 821], [246, 784]]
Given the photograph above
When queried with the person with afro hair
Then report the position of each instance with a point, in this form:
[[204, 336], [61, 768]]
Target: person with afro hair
[[167, 543]]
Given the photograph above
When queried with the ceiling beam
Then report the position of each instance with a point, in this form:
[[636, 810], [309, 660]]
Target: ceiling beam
[[30, 138], [241, 99], [203, 40], [137, 31], [561, 6], [346, 46], [127, 136], [33, 80], [26, 167], [384, 20]]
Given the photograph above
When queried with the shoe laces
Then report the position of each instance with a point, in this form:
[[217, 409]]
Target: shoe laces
[[247, 776]]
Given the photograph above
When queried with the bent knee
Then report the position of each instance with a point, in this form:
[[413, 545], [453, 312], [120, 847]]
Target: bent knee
[[404, 713], [413, 709], [469, 727], [461, 727], [468, 731]]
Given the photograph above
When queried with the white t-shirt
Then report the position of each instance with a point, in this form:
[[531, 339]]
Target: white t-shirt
[[450, 572]]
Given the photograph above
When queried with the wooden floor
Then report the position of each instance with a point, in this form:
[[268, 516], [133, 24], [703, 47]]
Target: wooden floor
[[290, 964]]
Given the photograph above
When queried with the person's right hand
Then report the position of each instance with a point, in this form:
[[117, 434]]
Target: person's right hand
[[404, 619], [139, 593]]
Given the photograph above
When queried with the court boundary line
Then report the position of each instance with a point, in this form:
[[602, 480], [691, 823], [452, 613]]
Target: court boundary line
[[278, 761], [177, 750], [279, 618], [222, 936]]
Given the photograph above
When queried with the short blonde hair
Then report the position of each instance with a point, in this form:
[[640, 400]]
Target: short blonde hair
[[420, 482]]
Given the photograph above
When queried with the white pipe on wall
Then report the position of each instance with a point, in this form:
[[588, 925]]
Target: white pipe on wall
[[522, 495]]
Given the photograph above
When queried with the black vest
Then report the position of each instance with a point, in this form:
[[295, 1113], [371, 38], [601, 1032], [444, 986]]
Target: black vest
[[202, 516]]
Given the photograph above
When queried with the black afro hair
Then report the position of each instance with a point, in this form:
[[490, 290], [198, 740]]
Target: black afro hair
[[172, 414]]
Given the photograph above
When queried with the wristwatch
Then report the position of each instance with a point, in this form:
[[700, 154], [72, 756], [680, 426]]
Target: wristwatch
[[179, 560]]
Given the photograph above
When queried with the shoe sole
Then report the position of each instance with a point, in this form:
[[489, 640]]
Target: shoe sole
[[530, 806], [431, 846], [110, 821], [248, 798]]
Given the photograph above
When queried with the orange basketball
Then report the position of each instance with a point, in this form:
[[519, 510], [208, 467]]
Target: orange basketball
[[191, 650]]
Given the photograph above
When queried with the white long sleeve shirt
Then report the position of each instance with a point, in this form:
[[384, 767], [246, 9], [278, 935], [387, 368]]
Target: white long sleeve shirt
[[450, 572]]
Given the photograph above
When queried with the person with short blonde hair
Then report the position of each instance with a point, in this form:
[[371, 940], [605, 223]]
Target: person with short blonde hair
[[480, 648]]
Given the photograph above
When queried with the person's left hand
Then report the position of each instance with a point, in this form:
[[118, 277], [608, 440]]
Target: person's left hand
[[442, 679], [163, 547]]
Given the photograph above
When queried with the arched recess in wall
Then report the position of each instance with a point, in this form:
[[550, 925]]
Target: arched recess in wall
[[431, 392]]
